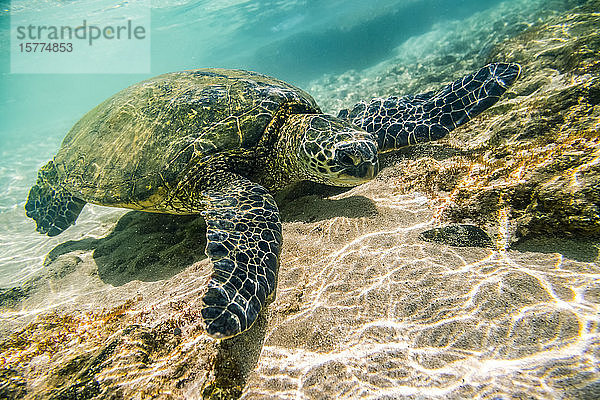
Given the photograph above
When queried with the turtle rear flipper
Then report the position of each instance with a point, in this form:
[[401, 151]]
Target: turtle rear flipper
[[53, 208], [243, 243], [402, 121]]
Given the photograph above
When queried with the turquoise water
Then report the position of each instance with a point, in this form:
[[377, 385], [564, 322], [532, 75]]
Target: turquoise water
[[303, 42], [363, 307], [297, 41]]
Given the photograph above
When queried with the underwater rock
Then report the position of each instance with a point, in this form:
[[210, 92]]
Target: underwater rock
[[458, 235], [529, 164], [12, 386], [363, 307], [10, 297], [536, 155]]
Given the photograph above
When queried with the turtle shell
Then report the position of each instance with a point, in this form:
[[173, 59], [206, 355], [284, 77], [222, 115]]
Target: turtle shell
[[145, 137]]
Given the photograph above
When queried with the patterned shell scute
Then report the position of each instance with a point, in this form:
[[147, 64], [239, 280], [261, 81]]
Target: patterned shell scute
[[145, 137]]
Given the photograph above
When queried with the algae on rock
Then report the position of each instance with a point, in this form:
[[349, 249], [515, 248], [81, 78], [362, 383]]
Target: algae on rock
[[364, 308]]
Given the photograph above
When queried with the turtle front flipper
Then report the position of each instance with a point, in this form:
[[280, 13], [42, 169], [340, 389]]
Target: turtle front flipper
[[53, 208], [402, 121], [244, 240]]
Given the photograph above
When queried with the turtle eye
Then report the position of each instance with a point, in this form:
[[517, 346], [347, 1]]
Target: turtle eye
[[345, 159]]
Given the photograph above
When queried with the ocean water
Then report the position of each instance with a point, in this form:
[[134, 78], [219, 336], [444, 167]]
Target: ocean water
[[298, 41], [295, 41], [341, 52]]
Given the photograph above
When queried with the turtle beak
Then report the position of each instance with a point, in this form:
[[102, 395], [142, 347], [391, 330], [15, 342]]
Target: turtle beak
[[366, 171], [358, 161]]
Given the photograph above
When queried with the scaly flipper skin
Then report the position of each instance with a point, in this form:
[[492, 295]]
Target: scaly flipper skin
[[400, 121], [244, 241], [53, 208]]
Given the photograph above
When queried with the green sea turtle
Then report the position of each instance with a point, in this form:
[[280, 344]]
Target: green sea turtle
[[218, 142]]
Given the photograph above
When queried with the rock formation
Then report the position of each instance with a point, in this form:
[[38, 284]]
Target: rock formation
[[364, 307]]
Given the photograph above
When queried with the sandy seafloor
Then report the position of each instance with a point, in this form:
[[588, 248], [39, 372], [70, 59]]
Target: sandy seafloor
[[364, 308]]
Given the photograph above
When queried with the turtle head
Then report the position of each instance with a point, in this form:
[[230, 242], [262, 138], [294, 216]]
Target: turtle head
[[328, 150]]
